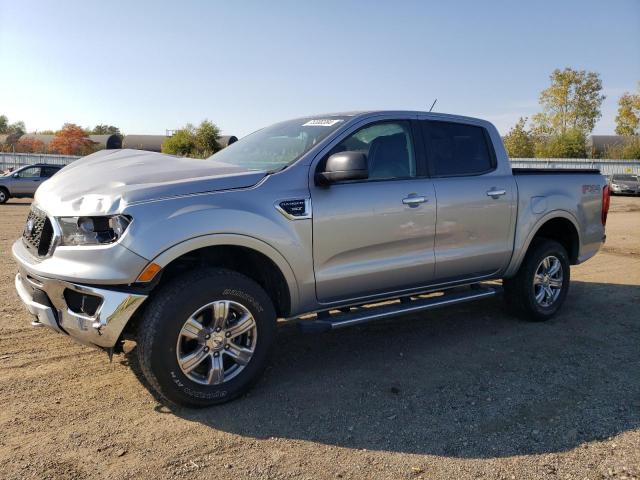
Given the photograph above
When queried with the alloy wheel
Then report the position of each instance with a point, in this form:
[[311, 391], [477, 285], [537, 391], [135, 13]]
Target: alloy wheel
[[217, 342], [548, 281]]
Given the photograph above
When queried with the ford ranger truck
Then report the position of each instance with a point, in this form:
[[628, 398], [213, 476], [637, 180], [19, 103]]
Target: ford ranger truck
[[307, 220]]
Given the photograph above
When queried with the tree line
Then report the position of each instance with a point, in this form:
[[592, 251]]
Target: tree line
[[191, 141], [570, 109], [71, 139]]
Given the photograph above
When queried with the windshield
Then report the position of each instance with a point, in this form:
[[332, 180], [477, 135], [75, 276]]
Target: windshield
[[625, 178], [279, 145]]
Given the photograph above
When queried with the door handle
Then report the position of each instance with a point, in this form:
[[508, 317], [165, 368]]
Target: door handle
[[495, 193], [413, 201]]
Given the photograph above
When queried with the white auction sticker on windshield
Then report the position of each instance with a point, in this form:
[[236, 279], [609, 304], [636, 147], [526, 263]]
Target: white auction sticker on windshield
[[321, 122]]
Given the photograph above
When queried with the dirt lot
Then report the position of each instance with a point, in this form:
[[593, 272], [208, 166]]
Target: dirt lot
[[467, 392]]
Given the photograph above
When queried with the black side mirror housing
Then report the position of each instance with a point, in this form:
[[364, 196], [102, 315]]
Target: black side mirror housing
[[343, 166]]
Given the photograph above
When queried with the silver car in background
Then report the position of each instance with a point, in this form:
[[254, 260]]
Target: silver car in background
[[24, 181], [627, 184]]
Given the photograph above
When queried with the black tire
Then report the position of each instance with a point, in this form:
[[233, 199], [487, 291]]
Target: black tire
[[167, 312], [4, 195], [520, 292]]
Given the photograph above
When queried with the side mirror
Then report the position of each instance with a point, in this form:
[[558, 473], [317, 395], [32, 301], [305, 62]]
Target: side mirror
[[343, 166], [15, 175]]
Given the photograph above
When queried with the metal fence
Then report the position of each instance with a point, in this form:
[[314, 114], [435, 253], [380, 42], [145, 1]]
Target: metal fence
[[607, 167], [17, 160]]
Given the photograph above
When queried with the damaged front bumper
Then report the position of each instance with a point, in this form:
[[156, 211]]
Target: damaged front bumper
[[90, 315]]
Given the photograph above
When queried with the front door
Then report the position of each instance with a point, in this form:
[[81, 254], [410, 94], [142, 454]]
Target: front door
[[375, 236], [27, 181]]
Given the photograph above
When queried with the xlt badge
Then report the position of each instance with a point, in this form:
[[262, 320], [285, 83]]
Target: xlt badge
[[295, 209]]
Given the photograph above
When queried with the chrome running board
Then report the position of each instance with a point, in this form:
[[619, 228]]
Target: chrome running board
[[326, 321]]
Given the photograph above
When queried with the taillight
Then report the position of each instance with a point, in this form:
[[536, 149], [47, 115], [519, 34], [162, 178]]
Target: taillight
[[605, 204]]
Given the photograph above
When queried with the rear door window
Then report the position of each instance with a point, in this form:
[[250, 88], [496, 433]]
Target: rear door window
[[455, 149], [48, 171]]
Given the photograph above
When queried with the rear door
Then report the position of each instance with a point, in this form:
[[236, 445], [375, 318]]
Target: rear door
[[476, 201], [375, 236], [48, 172]]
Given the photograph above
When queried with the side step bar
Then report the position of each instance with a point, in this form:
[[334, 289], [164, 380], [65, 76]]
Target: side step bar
[[326, 322]]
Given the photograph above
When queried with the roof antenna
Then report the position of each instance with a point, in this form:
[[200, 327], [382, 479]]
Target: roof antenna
[[432, 105]]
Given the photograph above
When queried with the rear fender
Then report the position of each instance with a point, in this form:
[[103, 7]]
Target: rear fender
[[521, 250]]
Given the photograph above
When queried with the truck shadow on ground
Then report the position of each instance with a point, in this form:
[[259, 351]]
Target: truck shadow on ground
[[467, 382]]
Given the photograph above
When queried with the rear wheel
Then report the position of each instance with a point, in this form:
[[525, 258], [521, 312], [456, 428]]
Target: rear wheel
[[205, 337], [4, 195], [541, 285]]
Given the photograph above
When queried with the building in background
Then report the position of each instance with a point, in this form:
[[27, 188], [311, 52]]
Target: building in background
[[598, 145], [151, 143]]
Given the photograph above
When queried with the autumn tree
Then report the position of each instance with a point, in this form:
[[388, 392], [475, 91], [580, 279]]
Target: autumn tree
[[30, 145], [571, 102], [191, 141], [72, 140], [519, 142], [628, 118]]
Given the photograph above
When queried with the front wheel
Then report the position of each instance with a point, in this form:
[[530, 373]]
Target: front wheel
[[541, 285], [205, 337], [4, 195]]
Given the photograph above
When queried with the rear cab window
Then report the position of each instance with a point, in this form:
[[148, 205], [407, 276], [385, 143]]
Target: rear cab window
[[457, 149]]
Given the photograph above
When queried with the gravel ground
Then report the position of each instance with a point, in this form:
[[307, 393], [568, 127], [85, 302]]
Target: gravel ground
[[467, 392]]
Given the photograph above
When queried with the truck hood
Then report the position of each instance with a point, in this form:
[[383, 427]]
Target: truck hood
[[106, 181]]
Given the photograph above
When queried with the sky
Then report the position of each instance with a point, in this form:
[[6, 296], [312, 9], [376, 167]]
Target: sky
[[148, 66]]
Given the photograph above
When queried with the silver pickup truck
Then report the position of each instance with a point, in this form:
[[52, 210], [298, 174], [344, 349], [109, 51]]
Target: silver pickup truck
[[329, 221]]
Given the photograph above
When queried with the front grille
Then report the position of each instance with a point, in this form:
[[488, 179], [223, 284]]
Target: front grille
[[38, 233]]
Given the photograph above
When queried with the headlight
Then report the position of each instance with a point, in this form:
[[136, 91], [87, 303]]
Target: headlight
[[92, 230]]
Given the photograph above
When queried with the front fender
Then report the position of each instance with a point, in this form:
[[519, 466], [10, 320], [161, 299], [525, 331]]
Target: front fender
[[164, 230], [222, 239]]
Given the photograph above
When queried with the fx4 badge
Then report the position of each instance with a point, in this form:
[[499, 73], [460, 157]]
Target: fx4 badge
[[591, 189]]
